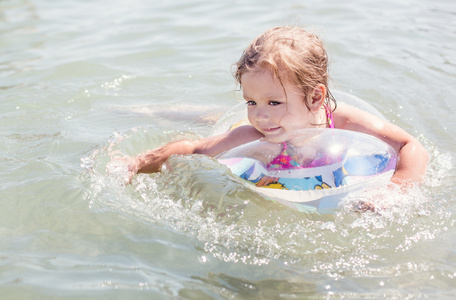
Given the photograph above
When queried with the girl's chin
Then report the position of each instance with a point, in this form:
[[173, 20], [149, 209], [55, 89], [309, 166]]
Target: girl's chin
[[275, 136]]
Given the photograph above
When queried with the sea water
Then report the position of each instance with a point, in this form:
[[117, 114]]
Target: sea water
[[84, 81]]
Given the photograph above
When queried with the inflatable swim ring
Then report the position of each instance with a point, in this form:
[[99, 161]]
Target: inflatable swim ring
[[310, 170]]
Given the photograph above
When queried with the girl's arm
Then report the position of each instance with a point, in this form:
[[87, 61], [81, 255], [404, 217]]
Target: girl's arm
[[151, 161], [412, 156]]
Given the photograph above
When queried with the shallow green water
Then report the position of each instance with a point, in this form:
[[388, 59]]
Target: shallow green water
[[81, 80]]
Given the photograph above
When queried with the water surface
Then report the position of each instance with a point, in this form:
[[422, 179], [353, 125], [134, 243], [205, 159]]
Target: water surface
[[81, 80]]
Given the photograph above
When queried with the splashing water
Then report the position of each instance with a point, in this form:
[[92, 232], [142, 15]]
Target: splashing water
[[202, 199]]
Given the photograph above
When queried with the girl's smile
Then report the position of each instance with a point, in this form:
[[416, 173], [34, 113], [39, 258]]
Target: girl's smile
[[273, 108]]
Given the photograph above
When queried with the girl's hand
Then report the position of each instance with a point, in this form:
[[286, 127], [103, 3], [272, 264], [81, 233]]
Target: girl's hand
[[381, 198], [149, 161], [127, 166]]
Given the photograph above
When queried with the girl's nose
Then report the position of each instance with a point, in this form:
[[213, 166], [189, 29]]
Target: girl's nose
[[261, 113]]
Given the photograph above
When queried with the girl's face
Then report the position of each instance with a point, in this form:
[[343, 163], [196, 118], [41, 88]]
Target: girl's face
[[270, 110]]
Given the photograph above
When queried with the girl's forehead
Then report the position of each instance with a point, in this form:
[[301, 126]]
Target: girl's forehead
[[259, 70], [262, 83], [259, 77], [263, 73]]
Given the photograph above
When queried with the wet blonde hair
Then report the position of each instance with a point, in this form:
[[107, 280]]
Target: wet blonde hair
[[293, 54]]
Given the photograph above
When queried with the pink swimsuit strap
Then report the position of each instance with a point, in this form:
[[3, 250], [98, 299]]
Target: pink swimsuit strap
[[329, 116]]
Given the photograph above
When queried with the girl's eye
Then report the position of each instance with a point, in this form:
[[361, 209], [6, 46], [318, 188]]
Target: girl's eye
[[250, 103], [274, 103]]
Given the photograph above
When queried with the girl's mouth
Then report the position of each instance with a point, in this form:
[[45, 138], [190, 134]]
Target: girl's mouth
[[271, 129]]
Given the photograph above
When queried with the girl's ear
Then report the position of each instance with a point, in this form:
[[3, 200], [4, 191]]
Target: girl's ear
[[317, 97]]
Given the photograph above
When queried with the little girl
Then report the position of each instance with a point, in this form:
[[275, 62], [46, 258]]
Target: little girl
[[283, 74]]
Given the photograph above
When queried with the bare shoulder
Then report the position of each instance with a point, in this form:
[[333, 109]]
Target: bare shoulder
[[217, 144], [352, 118]]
